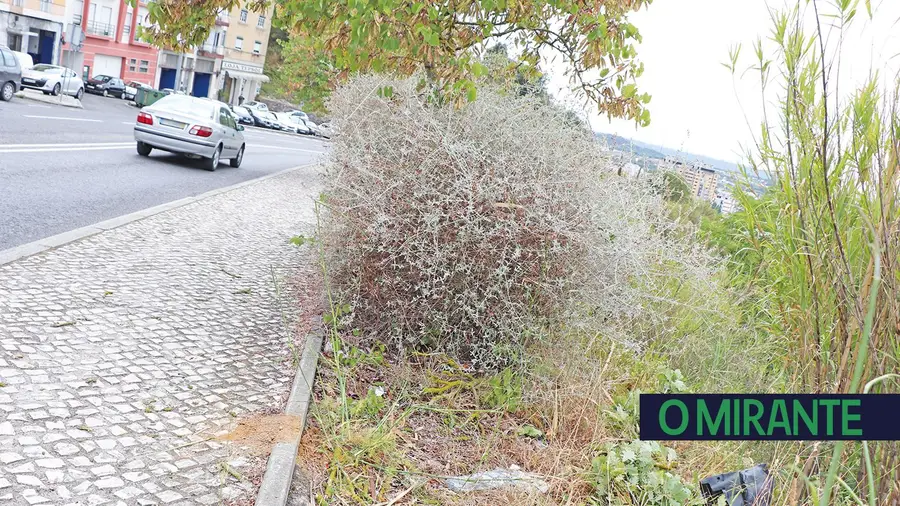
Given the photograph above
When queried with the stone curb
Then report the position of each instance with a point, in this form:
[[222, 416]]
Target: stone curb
[[292, 135], [276, 483], [62, 100], [55, 241]]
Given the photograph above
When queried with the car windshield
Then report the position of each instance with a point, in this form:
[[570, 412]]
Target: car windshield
[[102, 78], [184, 104], [242, 111], [49, 69]]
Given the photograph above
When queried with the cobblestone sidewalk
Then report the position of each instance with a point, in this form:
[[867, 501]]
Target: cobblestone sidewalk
[[123, 354]]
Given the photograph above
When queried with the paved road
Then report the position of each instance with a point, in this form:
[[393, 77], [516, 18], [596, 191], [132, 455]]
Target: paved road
[[124, 355], [63, 168]]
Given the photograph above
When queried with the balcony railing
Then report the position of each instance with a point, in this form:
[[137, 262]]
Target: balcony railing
[[212, 50], [103, 29]]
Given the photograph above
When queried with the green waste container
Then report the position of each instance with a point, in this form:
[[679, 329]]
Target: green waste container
[[147, 97]]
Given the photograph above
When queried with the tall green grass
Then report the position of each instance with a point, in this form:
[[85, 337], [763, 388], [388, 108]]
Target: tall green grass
[[818, 258]]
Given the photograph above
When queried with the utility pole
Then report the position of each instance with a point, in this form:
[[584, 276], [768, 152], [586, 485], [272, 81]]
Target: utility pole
[[178, 71]]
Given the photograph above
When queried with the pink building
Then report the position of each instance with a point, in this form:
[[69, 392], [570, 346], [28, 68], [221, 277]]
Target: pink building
[[108, 45]]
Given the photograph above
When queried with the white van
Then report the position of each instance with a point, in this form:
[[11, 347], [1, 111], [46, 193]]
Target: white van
[[25, 60]]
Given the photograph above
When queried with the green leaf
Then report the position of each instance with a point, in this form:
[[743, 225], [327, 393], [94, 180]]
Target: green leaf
[[472, 94], [386, 91], [479, 70], [645, 117], [629, 90], [531, 431]]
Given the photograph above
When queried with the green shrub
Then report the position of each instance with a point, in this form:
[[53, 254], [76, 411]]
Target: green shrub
[[473, 230], [639, 473]]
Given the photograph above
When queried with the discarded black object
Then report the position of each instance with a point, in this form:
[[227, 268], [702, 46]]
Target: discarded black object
[[750, 487]]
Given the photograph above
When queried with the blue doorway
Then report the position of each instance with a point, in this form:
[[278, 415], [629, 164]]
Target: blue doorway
[[42, 52], [167, 79], [46, 47], [201, 85]]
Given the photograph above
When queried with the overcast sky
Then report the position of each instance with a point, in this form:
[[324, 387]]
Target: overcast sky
[[695, 105]]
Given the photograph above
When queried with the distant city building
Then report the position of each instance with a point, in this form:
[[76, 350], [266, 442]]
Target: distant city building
[[700, 177], [631, 170], [726, 203], [34, 27]]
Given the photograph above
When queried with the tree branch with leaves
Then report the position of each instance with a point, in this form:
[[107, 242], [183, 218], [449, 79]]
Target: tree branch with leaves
[[445, 39]]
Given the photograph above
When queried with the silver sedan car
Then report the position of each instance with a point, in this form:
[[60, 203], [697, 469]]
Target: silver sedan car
[[194, 127]]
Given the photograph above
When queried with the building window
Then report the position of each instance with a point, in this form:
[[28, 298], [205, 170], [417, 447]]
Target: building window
[[144, 67], [239, 43], [132, 65], [45, 5], [243, 15], [261, 22], [15, 42], [257, 47]]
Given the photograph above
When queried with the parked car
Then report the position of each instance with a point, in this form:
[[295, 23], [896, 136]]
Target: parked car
[[313, 128], [260, 120], [10, 74], [191, 126], [106, 86], [132, 88], [242, 114], [291, 123], [327, 130], [25, 60], [259, 106], [273, 120], [53, 80], [299, 113]]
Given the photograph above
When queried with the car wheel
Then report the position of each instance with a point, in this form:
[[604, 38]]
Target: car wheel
[[56, 89], [212, 163], [236, 161], [144, 149], [6, 93], [79, 93]]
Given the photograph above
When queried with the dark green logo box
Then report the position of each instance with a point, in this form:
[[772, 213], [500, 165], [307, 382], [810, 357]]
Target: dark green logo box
[[770, 417]]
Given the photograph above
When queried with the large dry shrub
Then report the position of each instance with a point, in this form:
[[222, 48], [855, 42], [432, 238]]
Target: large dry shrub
[[472, 229]]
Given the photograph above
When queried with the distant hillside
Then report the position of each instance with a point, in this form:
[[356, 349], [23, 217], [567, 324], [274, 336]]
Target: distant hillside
[[653, 151], [623, 144]]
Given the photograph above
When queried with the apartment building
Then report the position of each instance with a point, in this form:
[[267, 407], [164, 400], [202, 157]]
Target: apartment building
[[199, 67], [100, 37], [102, 40], [700, 178], [245, 55], [34, 27], [229, 64]]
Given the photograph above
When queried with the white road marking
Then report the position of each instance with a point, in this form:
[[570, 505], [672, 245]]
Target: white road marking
[[128, 122], [63, 118], [46, 148], [288, 149], [56, 144]]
